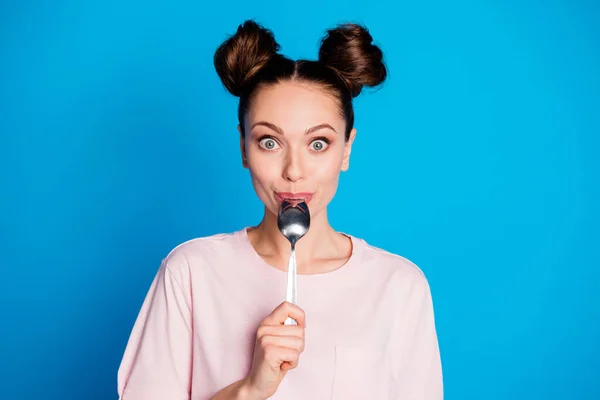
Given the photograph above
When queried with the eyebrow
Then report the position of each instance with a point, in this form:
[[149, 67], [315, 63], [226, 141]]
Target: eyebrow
[[280, 131]]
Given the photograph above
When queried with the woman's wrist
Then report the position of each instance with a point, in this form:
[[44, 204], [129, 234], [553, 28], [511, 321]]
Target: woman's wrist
[[244, 391]]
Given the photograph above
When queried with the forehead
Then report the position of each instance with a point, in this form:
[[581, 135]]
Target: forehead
[[295, 106]]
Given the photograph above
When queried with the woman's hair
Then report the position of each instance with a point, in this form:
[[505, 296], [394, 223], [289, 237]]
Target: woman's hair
[[348, 60]]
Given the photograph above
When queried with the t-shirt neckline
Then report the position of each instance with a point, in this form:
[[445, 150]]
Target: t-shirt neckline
[[349, 266]]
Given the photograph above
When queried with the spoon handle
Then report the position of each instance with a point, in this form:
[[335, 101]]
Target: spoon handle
[[291, 285]]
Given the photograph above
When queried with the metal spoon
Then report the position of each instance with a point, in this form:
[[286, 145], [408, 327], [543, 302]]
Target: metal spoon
[[293, 221]]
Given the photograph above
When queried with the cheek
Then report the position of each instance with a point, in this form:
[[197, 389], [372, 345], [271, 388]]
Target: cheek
[[260, 171], [327, 173], [324, 176], [326, 168], [264, 174]]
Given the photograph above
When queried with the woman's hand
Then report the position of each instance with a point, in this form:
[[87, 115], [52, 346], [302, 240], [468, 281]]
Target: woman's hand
[[276, 351]]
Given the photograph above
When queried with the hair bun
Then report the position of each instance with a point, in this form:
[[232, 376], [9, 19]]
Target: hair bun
[[349, 50], [243, 54]]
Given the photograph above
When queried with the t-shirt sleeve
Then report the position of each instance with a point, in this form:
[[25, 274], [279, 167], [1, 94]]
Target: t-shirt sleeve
[[157, 362], [420, 369]]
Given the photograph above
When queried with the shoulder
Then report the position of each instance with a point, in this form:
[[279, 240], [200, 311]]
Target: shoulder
[[394, 266], [204, 250]]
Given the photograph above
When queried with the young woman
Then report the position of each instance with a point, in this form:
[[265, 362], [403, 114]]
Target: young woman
[[212, 324]]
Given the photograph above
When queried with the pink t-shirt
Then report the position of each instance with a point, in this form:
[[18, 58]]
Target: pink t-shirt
[[370, 331]]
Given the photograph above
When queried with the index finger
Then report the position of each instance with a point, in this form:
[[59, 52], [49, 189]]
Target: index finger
[[283, 311]]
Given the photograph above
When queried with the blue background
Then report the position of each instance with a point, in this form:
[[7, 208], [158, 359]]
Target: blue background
[[118, 143]]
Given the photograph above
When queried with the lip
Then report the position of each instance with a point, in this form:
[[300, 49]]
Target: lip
[[304, 196]]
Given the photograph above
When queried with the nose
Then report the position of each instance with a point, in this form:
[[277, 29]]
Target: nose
[[292, 169]]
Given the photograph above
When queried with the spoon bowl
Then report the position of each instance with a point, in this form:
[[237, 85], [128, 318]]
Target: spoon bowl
[[293, 221]]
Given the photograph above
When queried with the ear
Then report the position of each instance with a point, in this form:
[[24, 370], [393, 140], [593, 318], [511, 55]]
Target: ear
[[348, 150], [242, 147]]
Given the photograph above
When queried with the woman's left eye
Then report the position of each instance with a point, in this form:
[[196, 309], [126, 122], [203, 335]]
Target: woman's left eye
[[319, 145]]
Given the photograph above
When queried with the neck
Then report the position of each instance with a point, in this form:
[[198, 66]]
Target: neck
[[320, 242]]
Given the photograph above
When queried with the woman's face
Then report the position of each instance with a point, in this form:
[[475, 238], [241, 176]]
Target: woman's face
[[294, 145]]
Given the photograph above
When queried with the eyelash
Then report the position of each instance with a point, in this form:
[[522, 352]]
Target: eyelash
[[322, 138]]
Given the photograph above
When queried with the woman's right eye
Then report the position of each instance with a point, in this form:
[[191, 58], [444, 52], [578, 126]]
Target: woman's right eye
[[268, 143]]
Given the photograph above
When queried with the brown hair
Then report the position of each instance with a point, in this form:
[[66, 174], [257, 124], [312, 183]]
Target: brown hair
[[348, 60]]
